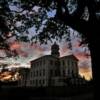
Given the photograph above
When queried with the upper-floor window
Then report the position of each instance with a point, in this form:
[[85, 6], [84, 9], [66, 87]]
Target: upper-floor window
[[43, 72], [51, 72], [69, 62], [76, 64], [31, 74], [57, 72], [43, 61], [55, 63], [63, 62], [37, 73], [37, 64], [34, 73], [34, 64], [51, 62], [40, 72]]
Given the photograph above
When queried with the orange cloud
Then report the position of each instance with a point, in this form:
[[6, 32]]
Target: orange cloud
[[86, 72], [8, 77], [5, 75], [15, 45]]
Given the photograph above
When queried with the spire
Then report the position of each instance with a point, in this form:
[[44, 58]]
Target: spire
[[55, 50]]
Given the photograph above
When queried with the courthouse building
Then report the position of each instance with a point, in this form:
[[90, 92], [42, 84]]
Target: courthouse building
[[51, 70]]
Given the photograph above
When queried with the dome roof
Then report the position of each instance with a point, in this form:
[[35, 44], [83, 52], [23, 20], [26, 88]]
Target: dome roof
[[55, 50], [55, 46]]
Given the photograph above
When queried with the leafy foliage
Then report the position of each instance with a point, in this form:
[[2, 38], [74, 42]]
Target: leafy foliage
[[18, 16]]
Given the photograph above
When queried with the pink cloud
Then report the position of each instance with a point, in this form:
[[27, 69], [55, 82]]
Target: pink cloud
[[22, 53], [37, 47], [15, 45], [82, 55]]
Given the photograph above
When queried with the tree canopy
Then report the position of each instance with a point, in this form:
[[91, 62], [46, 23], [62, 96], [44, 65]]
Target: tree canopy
[[50, 19]]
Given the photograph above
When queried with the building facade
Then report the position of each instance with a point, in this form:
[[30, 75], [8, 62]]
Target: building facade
[[51, 70]]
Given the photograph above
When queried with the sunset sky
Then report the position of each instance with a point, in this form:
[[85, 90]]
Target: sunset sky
[[27, 51]]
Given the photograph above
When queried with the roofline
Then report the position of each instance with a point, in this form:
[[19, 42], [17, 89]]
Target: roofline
[[42, 57], [69, 56]]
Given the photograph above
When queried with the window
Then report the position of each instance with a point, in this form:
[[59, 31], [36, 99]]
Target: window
[[33, 81], [43, 81], [64, 72], [63, 62], [68, 72], [40, 72], [72, 73], [43, 72], [37, 73], [55, 63], [40, 63], [31, 74], [43, 61], [36, 82], [56, 72], [40, 82], [53, 81], [71, 63], [51, 72], [75, 64], [68, 62], [37, 64], [51, 62], [34, 73], [34, 64]]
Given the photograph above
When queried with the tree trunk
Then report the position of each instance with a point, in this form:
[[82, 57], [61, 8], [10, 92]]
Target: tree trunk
[[95, 50], [94, 59], [89, 29]]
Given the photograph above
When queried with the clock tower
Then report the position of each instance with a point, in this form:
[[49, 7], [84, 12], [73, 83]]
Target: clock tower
[[55, 50]]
